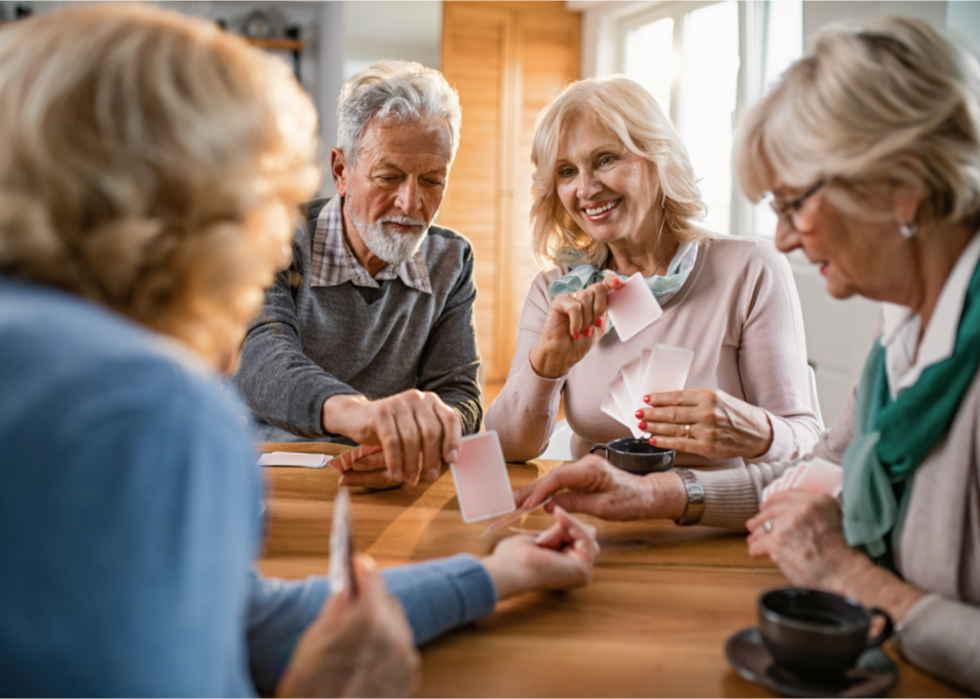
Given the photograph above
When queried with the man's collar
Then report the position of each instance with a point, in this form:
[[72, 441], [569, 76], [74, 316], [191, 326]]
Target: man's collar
[[334, 263]]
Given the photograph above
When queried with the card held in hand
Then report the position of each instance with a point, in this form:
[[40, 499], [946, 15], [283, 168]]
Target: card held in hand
[[342, 547], [480, 474], [632, 307]]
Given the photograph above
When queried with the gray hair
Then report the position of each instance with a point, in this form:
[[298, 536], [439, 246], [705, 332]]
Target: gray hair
[[400, 90], [879, 100]]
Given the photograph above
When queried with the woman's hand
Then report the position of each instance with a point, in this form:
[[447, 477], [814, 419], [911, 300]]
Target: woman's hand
[[599, 488], [361, 647], [574, 324], [804, 537], [802, 533], [559, 559], [707, 422]]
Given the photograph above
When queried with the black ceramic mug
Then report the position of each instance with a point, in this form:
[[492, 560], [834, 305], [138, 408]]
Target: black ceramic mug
[[636, 455], [817, 635]]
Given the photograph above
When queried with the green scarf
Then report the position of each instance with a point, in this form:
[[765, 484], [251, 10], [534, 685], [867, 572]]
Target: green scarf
[[894, 436]]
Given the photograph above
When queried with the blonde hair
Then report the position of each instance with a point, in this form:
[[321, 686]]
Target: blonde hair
[[149, 164], [633, 115], [882, 101]]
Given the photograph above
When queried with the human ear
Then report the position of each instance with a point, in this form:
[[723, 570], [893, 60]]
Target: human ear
[[340, 170], [906, 200]]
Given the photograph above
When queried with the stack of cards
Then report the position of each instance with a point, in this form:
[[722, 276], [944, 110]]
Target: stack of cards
[[291, 458], [815, 476], [480, 474], [632, 307], [345, 462], [657, 370]]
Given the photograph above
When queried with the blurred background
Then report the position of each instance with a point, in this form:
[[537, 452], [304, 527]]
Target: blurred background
[[705, 62]]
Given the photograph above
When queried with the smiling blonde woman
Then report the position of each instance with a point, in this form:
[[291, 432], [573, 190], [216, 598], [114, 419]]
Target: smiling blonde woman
[[615, 194]]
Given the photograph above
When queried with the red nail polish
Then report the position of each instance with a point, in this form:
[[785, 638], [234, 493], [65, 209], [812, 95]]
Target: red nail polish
[[587, 332], [599, 323], [639, 413], [653, 442], [577, 335], [646, 399], [643, 426]]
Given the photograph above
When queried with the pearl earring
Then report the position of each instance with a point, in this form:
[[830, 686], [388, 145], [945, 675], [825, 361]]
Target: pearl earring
[[908, 230]]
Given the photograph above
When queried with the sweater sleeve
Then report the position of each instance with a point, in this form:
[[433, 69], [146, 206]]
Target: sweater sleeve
[[450, 362], [281, 384], [437, 596], [525, 412], [942, 636], [773, 358], [731, 496]]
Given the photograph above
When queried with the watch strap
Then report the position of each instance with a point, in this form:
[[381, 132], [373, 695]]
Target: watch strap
[[695, 497]]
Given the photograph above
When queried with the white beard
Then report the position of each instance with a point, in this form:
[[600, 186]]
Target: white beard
[[390, 246]]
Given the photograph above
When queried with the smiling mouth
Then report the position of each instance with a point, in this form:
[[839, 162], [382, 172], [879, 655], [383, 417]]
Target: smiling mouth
[[602, 208]]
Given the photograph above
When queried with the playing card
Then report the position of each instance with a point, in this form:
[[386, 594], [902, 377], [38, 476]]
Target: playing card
[[816, 476], [514, 516], [667, 370], [291, 458], [632, 307], [341, 573], [821, 476], [345, 461], [480, 474], [621, 394], [631, 374], [611, 408]]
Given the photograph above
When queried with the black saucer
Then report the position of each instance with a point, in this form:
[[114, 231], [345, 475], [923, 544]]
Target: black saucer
[[874, 674]]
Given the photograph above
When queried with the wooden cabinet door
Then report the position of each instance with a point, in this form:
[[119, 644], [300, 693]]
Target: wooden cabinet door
[[507, 60]]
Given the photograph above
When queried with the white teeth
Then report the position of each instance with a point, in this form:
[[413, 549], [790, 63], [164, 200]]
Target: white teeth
[[600, 209]]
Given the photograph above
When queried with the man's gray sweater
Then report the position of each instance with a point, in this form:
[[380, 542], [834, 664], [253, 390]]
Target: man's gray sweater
[[311, 343]]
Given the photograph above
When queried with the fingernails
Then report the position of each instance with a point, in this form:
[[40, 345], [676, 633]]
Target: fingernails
[[342, 480], [452, 456], [432, 474], [646, 399], [599, 322], [643, 425], [577, 335], [587, 332], [639, 413], [414, 478], [653, 442], [398, 475]]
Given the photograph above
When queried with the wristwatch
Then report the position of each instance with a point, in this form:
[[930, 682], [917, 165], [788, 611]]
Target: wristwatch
[[695, 497]]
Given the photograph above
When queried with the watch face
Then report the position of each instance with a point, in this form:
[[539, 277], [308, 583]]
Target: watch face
[[258, 26]]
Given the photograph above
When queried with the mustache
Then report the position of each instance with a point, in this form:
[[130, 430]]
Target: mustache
[[403, 221]]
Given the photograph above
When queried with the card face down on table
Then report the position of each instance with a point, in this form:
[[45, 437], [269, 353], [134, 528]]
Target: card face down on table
[[482, 483]]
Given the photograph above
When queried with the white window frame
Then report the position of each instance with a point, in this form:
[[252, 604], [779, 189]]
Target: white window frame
[[752, 17]]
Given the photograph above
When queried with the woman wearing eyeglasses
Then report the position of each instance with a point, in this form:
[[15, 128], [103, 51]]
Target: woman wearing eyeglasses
[[615, 195], [871, 149]]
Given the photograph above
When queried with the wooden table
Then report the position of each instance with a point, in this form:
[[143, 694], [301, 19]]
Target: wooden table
[[653, 622]]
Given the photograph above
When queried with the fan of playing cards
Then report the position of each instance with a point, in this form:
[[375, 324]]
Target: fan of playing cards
[[656, 370]]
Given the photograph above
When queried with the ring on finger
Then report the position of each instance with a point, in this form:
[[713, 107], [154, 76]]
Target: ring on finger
[[687, 431], [767, 527], [574, 294]]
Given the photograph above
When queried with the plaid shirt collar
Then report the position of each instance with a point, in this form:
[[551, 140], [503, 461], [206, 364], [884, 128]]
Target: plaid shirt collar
[[334, 262]]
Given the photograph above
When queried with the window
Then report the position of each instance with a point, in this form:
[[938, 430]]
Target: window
[[706, 63]]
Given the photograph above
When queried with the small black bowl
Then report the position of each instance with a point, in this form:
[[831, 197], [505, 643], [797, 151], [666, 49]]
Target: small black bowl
[[636, 455]]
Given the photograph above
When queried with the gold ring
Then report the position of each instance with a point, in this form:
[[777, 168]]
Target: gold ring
[[767, 527], [687, 431]]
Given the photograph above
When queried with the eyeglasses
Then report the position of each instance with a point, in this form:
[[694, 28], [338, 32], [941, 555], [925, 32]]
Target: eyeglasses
[[787, 211]]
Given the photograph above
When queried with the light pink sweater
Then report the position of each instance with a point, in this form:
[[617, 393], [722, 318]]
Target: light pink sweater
[[738, 311]]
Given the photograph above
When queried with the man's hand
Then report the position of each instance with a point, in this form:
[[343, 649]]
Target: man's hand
[[415, 429], [599, 488], [560, 559], [359, 647]]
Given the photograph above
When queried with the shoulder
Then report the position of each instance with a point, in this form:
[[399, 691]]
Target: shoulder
[[312, 208], [440, 240], [744, 258], [95, 365]]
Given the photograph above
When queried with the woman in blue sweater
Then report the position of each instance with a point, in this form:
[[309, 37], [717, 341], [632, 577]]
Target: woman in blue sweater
[[148, 165]]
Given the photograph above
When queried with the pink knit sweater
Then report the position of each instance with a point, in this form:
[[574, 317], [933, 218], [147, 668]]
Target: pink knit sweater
[[739, 312]]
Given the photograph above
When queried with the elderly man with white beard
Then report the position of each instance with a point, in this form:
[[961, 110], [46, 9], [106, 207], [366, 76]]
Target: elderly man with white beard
[[368, 337]]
